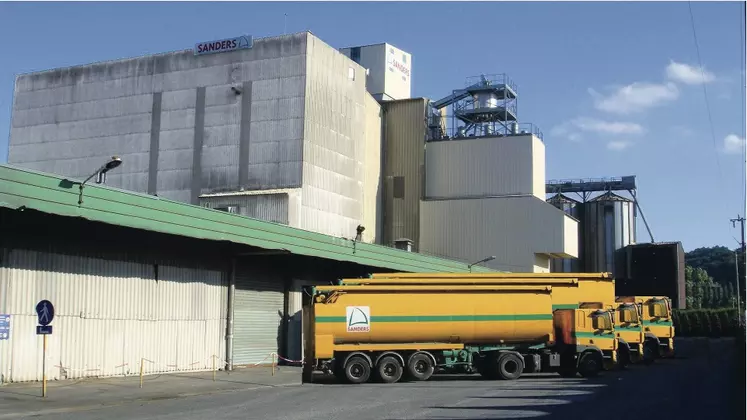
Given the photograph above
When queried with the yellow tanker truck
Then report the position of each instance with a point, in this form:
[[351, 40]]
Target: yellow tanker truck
[[387, 332], [570, 290], [656, 316]]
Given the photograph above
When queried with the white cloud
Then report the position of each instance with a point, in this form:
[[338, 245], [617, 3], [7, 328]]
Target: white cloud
[[635, 97], [572, 129], [615, 127], [618, 145], [733, 144], [689, 75]]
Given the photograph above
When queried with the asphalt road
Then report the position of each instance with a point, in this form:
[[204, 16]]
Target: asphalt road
[[697, 388]]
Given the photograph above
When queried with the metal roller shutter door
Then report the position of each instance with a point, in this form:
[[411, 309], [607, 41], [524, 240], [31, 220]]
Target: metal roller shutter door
[[258, 310]]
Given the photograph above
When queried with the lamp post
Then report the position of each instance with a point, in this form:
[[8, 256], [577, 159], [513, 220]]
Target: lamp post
[[491, 258], [100, 175]]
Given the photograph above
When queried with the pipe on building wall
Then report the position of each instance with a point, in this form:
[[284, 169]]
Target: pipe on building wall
[[229, 314]]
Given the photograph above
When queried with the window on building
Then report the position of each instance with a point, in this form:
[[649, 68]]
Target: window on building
[[351, 73], [228, 209]]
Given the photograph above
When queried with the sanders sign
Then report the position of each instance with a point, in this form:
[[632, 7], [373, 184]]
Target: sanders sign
[[224, 45]]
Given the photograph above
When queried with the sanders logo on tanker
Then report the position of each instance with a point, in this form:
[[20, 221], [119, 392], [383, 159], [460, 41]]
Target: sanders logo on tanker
[[358, 318], [223, 45]]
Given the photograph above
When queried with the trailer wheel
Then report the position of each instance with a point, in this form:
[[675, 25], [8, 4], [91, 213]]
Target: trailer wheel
[[509, 366], [357, 370], [590, 364], [389, 370], [420, 367]]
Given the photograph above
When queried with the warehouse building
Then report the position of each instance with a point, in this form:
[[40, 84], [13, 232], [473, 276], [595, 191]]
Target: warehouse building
[[134, 276]]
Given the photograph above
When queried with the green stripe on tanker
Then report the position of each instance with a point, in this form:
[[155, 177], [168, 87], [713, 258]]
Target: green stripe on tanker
[[444, 318]]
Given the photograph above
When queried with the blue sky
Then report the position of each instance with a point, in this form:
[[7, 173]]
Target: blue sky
[[615, 87]]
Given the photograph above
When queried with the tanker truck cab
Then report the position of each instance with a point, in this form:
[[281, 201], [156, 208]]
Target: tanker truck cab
[[592, 341], [629, 330], [656, 320]]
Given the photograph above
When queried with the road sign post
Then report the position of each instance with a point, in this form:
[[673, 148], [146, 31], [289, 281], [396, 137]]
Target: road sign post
[[45, 313]]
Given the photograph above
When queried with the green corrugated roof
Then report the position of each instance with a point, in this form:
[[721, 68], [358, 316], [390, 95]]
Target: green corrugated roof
[[51, 194]]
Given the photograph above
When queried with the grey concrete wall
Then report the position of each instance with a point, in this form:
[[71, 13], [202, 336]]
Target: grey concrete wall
[[334, 143], [173, 118]]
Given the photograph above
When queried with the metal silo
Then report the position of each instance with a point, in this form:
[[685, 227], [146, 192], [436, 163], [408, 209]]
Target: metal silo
[[572, 208], [608, 226]]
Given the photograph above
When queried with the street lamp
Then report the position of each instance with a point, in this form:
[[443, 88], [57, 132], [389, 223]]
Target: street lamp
[[491, 258], [100, 175]]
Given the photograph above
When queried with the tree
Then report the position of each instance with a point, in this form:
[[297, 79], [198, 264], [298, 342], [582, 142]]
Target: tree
[[697, 285]]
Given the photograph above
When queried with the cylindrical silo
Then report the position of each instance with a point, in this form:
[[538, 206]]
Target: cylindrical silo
[[609, 225], [572, 208]]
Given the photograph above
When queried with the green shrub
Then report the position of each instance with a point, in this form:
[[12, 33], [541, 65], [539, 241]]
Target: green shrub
[[706, 322]]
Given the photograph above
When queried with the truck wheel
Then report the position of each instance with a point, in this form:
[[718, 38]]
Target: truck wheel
[[623, 357], [357, 370], [389, 370], [649, 351], [510, 366], [420, 367], [590, 364]]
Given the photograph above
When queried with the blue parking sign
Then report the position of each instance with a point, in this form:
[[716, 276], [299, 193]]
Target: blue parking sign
[[4, 327]]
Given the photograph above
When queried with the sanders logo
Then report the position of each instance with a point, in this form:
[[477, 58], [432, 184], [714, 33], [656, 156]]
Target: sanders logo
[[358, 318], [232, 44], [395, 64]]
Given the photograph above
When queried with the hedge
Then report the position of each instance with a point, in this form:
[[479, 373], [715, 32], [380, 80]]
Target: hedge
[[706, 323]]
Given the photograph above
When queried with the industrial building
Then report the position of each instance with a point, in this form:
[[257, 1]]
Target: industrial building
[[278, 128], [136, 277], [463, 178], [291, 130]]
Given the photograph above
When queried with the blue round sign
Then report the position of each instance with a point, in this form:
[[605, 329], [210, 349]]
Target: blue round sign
[[45, 312]]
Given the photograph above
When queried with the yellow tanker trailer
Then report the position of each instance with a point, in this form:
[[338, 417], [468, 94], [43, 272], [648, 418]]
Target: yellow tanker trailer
[[571, 290], [386, 332]]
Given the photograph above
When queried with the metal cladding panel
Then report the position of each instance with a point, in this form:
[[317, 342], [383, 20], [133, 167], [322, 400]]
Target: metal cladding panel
[[479, 167], [334, 147], [403, 168], [511, 229], [269, 207], [258, 312], [108, 315]]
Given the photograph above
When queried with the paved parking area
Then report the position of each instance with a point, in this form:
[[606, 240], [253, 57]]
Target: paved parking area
[[699, 386]]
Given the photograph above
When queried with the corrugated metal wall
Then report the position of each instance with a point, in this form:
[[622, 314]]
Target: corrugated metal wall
[[483, 167], [109, 315], [259, 308], [512, 229], [334, 142], [403, 168]]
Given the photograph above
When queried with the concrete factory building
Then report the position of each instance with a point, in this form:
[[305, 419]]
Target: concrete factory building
[[291, 130], [280, 129]]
